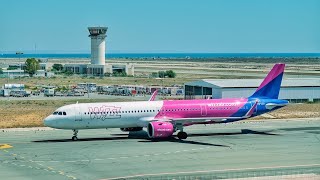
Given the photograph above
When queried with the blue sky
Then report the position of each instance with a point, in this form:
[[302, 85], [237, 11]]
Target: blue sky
[[147, 26]]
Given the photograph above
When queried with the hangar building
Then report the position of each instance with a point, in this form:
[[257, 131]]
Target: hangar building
[[294, 90]]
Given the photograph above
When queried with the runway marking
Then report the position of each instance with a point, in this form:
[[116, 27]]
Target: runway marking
[[5, 146], [45, 168], [98, 159], [207, 171], [39, 162], [70, 161]]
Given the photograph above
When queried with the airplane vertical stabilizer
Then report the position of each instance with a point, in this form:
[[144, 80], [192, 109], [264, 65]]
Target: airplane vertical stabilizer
[[270, 86]]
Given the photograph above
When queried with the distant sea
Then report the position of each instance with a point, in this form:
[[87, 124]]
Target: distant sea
[[170, 55]]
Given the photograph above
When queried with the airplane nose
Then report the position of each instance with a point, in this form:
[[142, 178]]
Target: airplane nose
[[48, 121]]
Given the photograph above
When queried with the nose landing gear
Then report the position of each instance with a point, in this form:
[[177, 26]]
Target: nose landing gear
[[75, 134]]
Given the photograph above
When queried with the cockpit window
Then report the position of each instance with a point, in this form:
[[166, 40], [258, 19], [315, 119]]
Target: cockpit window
[[59, 113]]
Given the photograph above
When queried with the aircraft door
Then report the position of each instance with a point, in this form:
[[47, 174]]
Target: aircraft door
[[77, 111], [203, 110]]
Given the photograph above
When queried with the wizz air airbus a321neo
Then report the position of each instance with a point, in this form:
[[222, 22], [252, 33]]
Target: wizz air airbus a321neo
[[163, 118]]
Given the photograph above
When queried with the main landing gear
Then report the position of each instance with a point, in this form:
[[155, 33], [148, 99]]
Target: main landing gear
[[75, 134], [182, 135]]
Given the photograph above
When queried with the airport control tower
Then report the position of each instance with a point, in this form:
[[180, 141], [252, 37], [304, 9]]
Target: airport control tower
[[98, 44]]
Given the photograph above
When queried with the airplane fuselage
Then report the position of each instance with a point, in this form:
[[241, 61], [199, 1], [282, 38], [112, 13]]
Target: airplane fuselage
[[139, 114]]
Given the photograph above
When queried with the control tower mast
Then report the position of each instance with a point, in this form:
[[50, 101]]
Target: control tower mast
[[98, 44]]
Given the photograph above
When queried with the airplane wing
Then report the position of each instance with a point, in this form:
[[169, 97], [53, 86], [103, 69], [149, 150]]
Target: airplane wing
[[154, 95]]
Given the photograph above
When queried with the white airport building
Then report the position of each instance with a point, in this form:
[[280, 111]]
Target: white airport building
[[98, 66], [294, 90]]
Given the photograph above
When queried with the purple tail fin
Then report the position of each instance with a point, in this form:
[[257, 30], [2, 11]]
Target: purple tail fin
[[270, 86]]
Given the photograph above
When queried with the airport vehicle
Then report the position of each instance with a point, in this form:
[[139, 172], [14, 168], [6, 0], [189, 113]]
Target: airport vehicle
[[49, 92], [19, 93], [163, 118], [35, 93], [5, 92]]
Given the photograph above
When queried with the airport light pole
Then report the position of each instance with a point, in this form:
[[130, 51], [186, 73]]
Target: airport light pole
[[88, 90]]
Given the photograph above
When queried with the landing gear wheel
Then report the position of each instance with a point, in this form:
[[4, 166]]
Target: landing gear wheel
[[182, 135], [74, 138], [75, 133]]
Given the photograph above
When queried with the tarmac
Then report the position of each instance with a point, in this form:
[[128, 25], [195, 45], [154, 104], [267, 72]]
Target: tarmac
[[266, 148]]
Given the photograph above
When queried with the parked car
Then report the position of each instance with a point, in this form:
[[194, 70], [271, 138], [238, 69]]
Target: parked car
[[78, 94], [70, 94], [35, 93], [59, 94]]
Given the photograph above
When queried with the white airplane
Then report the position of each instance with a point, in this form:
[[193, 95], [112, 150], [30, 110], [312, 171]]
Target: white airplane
[[163, 118]]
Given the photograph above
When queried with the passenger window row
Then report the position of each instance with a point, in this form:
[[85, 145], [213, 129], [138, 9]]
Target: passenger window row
[[118, 112], [221, 108], [166, 110], [188, 109]]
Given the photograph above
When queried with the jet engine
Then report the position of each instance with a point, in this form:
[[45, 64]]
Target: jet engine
[[158, 129], [131, 129]]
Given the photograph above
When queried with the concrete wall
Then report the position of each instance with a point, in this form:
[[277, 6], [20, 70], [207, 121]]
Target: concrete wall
[[216, 93], [236, 92], [307, 93]]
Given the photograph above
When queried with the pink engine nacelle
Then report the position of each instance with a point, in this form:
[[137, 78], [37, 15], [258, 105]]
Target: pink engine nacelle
[[157, 129]]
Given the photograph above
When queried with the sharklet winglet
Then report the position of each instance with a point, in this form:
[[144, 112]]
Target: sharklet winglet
[[154, 95], [251, 110]]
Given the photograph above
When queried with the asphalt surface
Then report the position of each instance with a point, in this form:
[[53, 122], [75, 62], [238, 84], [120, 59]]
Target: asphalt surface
[[237, 150]]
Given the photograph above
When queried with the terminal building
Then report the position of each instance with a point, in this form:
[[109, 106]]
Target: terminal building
[[98, 66], [18, 70], [294, 90]]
